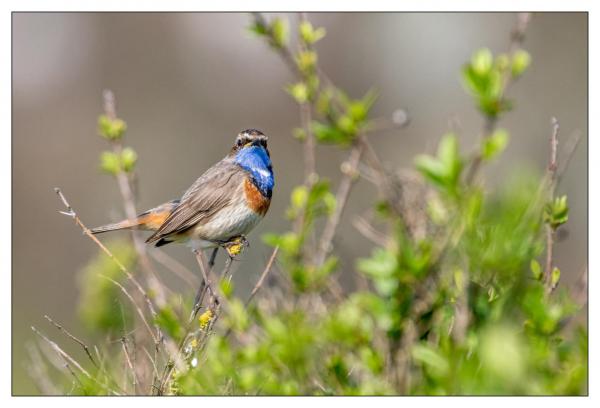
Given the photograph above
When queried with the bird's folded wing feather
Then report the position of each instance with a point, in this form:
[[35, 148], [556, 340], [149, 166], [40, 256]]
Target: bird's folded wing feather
[[213, 191]]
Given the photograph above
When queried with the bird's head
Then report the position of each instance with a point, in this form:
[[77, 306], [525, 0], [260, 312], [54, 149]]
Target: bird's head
[[250, 138]]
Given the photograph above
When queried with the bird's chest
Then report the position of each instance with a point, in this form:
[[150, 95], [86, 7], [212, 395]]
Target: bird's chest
[[239, 217], [255, 199]]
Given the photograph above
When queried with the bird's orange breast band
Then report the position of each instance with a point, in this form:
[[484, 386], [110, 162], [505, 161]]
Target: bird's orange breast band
[[256, 201]]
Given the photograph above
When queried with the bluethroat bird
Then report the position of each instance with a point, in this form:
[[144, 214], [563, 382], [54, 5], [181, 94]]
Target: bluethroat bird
[[221, 207]]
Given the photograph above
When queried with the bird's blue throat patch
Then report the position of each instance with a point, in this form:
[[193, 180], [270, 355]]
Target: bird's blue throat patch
[[256, 161]]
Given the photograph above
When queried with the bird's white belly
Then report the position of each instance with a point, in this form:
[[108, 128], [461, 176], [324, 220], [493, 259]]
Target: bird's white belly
[[230, 222]]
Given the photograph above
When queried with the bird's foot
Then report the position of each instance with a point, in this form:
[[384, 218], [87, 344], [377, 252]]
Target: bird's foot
[[235, 246]]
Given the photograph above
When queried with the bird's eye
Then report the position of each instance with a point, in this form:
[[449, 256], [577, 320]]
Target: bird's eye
[[240, 142]]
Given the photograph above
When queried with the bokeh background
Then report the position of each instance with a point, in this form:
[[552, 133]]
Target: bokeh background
[[188, 83]]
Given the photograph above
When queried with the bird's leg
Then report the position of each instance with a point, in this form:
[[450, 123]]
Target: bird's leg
[[205, 285], [233, 248], [211, 261], [198, 299]]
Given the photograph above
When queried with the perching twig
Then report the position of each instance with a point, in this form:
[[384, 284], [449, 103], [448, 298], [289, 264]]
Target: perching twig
[[205, 285], [75, 339]]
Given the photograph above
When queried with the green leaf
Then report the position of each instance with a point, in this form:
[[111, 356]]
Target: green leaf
[[382, 263], [431, 169], [443, 171], [556, 212], [481, 61], [110, 163], [520, 62], [128, 159], [299, 91], [258, 28], [289, 242], [279, 32], [536, 269], [111, 129], [306, 61], [308, 34], [329, 134], [299, 197], [495, 144], [381, 267], [555, 277]]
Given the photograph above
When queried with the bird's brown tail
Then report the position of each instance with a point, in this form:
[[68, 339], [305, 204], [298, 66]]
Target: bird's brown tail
[[149, 220]]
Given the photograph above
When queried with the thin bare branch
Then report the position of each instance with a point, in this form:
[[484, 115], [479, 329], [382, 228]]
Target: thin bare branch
[[368, 231], [175, 266], [61, 352], [134, 378], [129, 203], [349, 169], [551, 184], [567, 155], [75, 339], [263, 276], [135, 305], [71, 213], [39, 373]]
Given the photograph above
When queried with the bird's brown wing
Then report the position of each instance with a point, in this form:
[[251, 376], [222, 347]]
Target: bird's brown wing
[[213, 191]]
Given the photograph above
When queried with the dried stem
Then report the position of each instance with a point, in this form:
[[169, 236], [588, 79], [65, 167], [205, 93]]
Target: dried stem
[[350, 170], [71, 213], [129, 203], [368, 231], [75, 339], [175, 266], [137, 308], [205, 285], [134, 378], [263, 276], [39, 373], [64, 355], [551, 185]]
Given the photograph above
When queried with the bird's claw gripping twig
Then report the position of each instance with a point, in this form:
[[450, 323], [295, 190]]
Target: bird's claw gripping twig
[[235, 246]]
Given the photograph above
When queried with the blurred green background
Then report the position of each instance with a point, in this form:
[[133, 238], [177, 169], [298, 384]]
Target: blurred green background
[[188, 83]]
